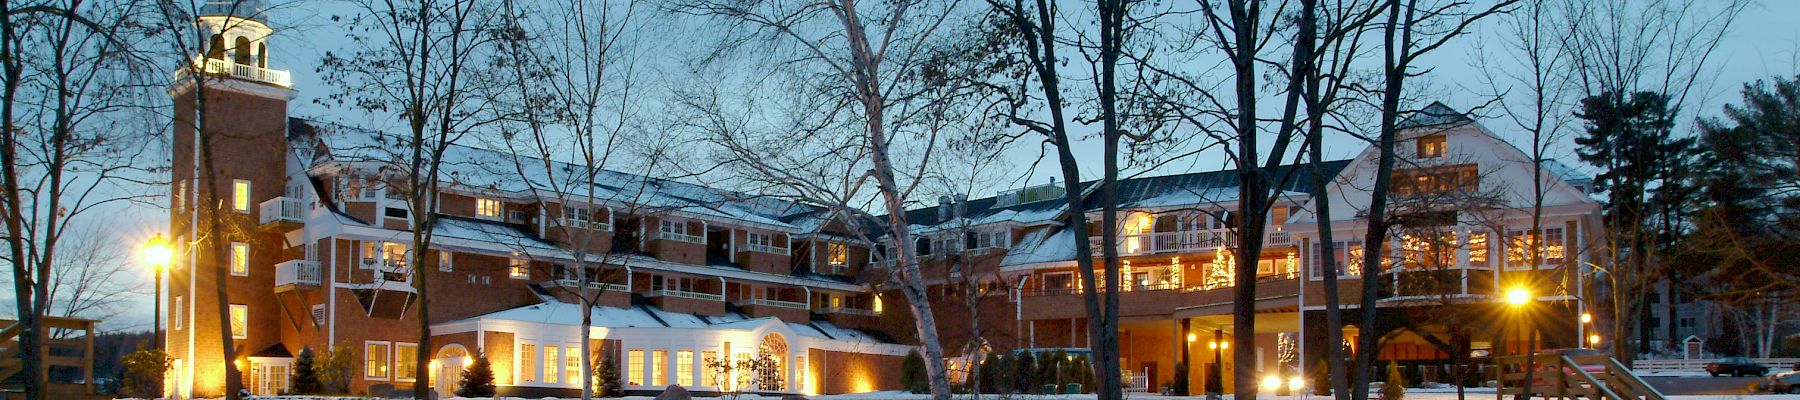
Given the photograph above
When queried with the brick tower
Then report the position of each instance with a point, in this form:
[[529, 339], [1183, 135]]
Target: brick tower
[[232, 108]]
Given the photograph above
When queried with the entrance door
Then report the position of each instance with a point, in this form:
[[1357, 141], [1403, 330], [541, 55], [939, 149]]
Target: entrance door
[[448, 375]]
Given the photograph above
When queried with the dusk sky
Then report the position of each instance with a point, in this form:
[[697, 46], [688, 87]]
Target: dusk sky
[[1764, 41]]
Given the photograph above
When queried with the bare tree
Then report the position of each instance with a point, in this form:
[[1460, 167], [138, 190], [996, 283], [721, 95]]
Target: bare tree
[[1617, 48], [859, 70], [417, 59], [71, 76]]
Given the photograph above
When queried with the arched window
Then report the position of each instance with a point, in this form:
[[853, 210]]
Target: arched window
[[772, 377], [262, 55], [216, 48], [242, 54]]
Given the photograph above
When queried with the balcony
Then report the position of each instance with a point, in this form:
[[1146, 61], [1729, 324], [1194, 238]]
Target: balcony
[[1184, 241], [791, 311], [228, 68], [281, 214], [610, 287], [685, 295], [761, 248], [297, 275], [681, 237], [848, 311]]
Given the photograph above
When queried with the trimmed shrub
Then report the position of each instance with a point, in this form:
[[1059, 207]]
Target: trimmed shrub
[[912, 373], [1395, 387], [143, 372]]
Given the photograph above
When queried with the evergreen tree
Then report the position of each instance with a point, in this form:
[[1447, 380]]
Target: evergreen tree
[[912, 373], [1050, 369], [1395, 387], [306, 377], [143, 372], [1081, 372], [1024, 368], [607, 384], [993, 373], [1179, 386], [478, 378]]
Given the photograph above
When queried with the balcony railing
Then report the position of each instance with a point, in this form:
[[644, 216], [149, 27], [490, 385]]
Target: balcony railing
[[686, 295], [297, 272], [849, 311], [282, 210], [610, 287], [212, 66], [774, 303], [1184, 241], [767, 249], [680, 237]]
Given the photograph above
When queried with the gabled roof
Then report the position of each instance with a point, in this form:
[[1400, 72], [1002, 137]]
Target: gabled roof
[[1436, 115]]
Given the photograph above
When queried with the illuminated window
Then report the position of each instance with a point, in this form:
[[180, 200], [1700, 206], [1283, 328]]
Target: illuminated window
[[487, 208], [240, 259], [1478, 249], [659, 374], [572, 364], [444, 257], [375, 360], [240, 195], [518, 268], [406, 361], [706, 371], [552, 361], [1553, 246], [1434, 181], [240, 321], [684, 368], [528, 357], [837, 301], [838, 255], [877, 306], [634, 367], [800, 372], [1347, 257], [1432, 146]]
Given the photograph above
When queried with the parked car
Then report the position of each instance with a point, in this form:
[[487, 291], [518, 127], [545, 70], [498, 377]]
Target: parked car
[[1785, 382], [1736, 366]]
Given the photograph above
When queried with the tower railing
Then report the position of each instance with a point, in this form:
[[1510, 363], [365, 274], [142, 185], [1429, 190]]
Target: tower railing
[[214, 66]]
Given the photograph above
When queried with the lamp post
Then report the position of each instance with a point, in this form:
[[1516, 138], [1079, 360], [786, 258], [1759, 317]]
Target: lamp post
[[157, 254], [1516, 299]]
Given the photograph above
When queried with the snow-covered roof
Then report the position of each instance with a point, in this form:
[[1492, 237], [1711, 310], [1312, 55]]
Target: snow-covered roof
[[519, 176], [649, 316], [1042, 245]]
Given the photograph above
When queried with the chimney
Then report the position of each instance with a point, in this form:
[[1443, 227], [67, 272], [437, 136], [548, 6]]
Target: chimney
[[943, 209]]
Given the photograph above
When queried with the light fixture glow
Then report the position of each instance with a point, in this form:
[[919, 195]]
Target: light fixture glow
[[1212, 345], [1587, 318], [1271, 382], [157, 252], [1594, 340], [1518, 296], [1296, 383], [1191, 337]]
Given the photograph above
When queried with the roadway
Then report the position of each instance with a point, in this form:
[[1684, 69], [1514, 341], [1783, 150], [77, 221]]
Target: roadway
[[1703, 385]]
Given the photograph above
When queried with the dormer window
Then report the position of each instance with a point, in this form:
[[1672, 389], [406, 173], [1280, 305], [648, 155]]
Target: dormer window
[[837, 255], [487, 208], [1432, 146]]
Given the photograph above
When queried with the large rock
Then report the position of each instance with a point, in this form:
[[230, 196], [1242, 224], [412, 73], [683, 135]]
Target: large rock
[[674, 392]]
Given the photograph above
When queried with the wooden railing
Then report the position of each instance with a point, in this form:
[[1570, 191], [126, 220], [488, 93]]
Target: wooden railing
[[1558, 375], [56, 349]]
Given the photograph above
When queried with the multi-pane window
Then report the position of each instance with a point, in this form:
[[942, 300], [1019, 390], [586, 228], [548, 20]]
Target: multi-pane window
[[240, 259], [837, 255], [1347, 259], [1429, 250], [677, 230], [760, 242], [528, 357], [706, 371], [240, 321], [1478, 249], [487, 208], [518, 268], [444, 257], [1432, 146], [1451, 179], [552, 363], [634, 367], [572, 364], [659, 372], [684, 368], [584, 217], [240, 195], [1553, 246], [375, 360], [406, 361], [999, 239], [876, 306]]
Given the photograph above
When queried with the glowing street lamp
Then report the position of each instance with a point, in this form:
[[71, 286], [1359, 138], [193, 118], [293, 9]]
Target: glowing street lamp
[[1594, 340], [1587, 318], [1518, 296], [157, 253]]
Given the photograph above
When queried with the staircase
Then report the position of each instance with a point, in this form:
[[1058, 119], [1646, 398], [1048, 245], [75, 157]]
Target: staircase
[[1594, 377]]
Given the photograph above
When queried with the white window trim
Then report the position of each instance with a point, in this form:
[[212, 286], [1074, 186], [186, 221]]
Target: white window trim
[[247, 193], [232, 259], [229, 311], [175, 312], [394, 362], [387, 349], [499, 208], [446, 260]]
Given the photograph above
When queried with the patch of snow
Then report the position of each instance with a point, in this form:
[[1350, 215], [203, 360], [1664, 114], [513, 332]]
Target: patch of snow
[[1043, 245]]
